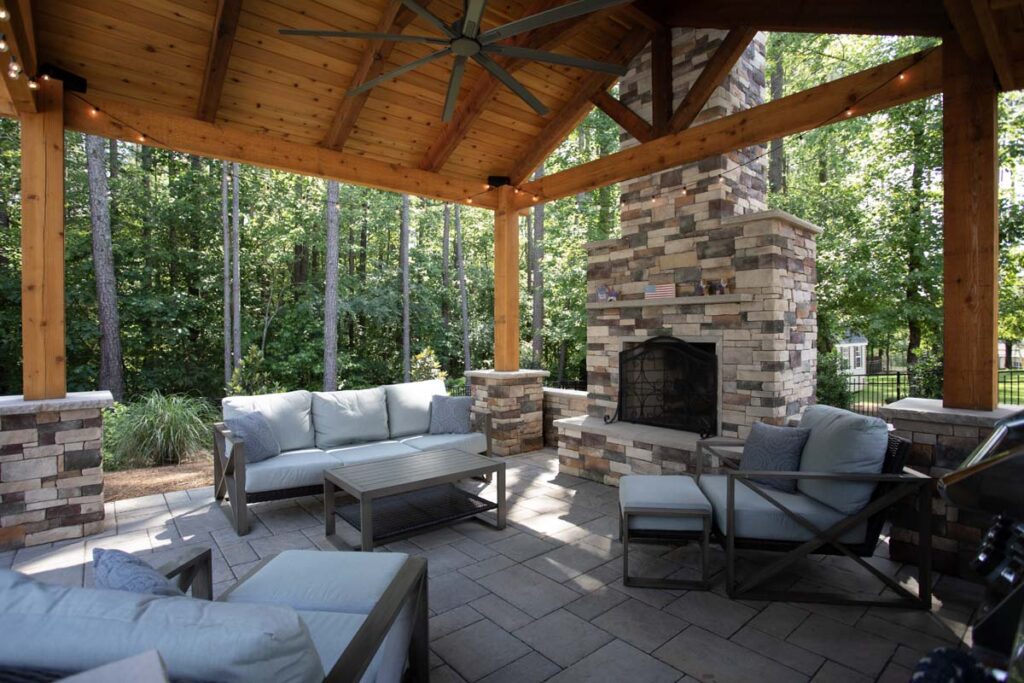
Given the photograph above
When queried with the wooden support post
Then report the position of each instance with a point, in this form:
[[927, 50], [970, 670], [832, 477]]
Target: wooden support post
[[506, 282], [42, 245], [971, 230]]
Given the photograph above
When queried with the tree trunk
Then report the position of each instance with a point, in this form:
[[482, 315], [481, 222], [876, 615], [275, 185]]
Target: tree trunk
[[351, 321], [562, 352], [331, 291], [115, 169], [538, 277], [777, 153], [403, 258], [229, 350], [460, 266], [236, 268], [446, 280], [914, 255], [1009, 354], [111, 370]]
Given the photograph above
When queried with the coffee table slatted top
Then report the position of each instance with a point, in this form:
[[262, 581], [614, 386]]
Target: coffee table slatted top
[[410, 472]]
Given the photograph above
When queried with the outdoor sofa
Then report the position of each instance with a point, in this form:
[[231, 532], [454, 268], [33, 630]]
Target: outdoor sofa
[[317, 431], [302, 616]]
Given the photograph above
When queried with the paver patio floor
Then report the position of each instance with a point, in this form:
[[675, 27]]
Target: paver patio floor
[[544, 600]]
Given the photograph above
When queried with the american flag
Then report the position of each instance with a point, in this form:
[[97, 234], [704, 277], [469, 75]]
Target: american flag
[[659, 291]]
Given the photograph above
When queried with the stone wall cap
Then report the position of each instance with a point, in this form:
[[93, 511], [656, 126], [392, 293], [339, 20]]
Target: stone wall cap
[[657, 436], [515, 374], [565, 392], [772, 214], [707, 299], [932, 410], [75, 400]]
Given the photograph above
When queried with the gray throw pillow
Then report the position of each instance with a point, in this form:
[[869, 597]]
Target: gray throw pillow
[[255, 432], [117, 570], [774, 449], [450, 414]]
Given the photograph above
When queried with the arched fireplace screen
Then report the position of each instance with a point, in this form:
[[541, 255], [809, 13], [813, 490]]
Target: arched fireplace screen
[[667, 382]]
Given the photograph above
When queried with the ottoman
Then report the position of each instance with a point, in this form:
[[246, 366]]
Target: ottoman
[[663, 509]]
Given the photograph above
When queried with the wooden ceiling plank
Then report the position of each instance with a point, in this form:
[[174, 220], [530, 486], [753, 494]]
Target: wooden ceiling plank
[[872, 90], [630, 121], [714, 72], [995, 46], [21, 46], [569, 116], [223, 38], [661, 80]]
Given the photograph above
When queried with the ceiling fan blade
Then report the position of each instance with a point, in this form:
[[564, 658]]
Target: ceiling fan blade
[[453, 89], [367, 35], [555, 58], [471, 22], [373, 82], [429, 17], [510, 82], [551, 16]]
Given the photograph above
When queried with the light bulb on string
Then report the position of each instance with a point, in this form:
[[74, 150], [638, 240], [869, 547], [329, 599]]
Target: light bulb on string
[[3, 43], [14, 68], [33, 84], [4, 14]]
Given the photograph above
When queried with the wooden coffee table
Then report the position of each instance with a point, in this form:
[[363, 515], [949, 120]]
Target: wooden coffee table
[[399, 497]]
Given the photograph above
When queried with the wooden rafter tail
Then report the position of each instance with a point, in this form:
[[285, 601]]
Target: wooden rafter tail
[[22, 45], [995, 44], [630, 121], [569, 116], [870, 90], [714, 73], [223, 38]]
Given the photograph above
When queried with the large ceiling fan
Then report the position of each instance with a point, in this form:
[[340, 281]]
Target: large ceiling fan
[[464, 40]]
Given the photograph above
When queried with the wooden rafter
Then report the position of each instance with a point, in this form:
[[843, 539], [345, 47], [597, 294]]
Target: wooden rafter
[[714, 72], [373, 62], [961, 14], [995, 45], [872, 90], [569, 116], [661, 80], [21, 46], [223, 38], [630, 121]]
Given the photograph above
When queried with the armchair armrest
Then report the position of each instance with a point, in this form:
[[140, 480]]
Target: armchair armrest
[[907, 476], [714, 446], [193, 568]]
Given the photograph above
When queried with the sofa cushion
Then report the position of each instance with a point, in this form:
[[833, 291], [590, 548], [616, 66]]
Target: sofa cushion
[[474, 442], [757, 518], [841, 441], [341, 417], [289, 415], [370, 452], [118, 570], [289, 470], [409, 406], [450, 414], [255, 433], [330, 582], [774, 449], [669, 492], [72, 629]]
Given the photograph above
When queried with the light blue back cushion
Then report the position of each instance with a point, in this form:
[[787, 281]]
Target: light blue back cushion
[[256, 435], [774, 449], [117, 570], [841, 441], [289, 414], [409, 406], [72, 629], [450, 414], [341, 417]]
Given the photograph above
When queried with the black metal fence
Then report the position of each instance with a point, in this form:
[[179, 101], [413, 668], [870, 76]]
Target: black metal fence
[[871, 392]]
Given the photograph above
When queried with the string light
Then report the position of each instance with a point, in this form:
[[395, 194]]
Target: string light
[[32, 84], [142, 138], [903, 76], [3, 43], [46, 77], [4, 14], [14, 68], [94, 111], [849, 113]]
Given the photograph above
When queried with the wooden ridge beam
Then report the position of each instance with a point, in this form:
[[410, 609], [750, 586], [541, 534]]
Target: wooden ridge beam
[[223, 38], [569, 116], [859, 94], [21, 43], [711, 76], [630, 121], [995, 44], [124, 121]]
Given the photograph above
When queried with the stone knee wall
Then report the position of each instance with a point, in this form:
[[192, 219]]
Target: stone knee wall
[[559, 403], [515, 403], [51, 470]]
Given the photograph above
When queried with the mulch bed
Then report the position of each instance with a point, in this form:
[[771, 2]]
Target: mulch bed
[[195, 473]]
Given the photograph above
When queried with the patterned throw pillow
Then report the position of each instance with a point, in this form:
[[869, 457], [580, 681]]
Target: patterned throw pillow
[[450, 414], [117, 570], [254, 431], [774, 449]]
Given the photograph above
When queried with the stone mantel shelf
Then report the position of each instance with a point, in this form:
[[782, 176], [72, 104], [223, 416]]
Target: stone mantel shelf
[[629, 431], [709, 299], [75, 400]]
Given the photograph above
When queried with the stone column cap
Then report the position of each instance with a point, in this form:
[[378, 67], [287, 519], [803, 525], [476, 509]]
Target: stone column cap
[[772, 214], [513, 374], [74, 400], [932, 410]]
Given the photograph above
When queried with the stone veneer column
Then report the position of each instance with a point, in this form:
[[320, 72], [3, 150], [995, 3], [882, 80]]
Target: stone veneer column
[[941, 438], [51, 469], [515, 402]]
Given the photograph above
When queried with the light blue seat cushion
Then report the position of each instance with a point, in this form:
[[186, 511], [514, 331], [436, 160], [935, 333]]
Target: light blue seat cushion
[[319, 581], [341, 417], [474, 442], [841, 441], [72, 629], [289, 470], [333, 631], [409, 406], [669, 492], [757, 518], [118, 570], [370, 452], [289, 415]]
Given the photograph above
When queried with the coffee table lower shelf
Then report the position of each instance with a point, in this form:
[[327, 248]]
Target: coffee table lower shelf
[[406, 514]]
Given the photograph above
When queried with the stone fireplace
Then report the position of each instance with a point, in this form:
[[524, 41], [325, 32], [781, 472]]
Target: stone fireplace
[[689, 230]]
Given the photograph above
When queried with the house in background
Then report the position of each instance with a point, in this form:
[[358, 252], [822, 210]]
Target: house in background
[[853, 349], [1011, 355]]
